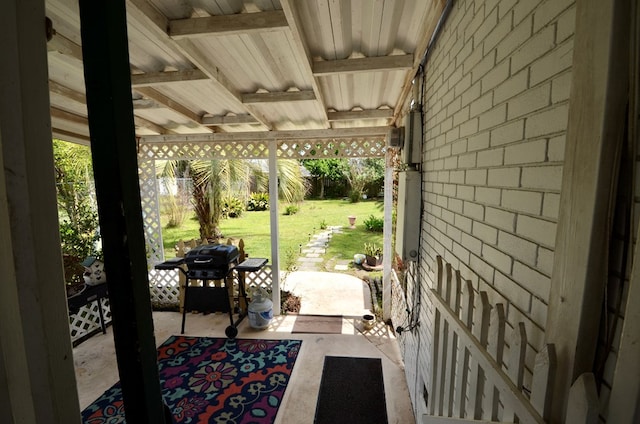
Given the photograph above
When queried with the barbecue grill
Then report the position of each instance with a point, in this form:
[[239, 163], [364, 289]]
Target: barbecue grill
[[213, 262]]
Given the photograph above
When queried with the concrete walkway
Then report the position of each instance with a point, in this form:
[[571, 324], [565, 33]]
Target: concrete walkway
[[322, 283], [329, 293]]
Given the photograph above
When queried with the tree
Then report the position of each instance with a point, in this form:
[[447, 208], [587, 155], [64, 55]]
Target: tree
[[292, 186], [78, 218], [217, 179], [211, 181], [326, 169]]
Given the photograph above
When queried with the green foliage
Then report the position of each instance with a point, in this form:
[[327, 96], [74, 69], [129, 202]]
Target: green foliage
[[255, 229], [232, 207], [365, 174], [355, 196], [351, 241], [258, 202], [332, 169], [291, 210], [323, 225], [372, 249], [78, 216], [290, 259], [80, 237], [292, 186], [374, 223], [177, 205], [327, 169]]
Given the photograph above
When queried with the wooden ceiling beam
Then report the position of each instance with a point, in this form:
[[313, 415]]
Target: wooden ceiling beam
[[68, 116], [154, 94], [282, 96], [364, 64], [228, 120], [146, 104], [241, 23], [155, 21], [65, 46], [302, 50], [70, 136], [60, 89], [360, 114], [145, 123], [154, 78]]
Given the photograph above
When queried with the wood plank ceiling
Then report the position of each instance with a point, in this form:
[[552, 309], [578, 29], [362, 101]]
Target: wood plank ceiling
[[246, 66]]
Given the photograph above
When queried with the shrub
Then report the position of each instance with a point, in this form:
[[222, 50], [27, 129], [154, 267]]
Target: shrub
[[290, 259], [355, 196], [372, 249], [374, 224], [232, 207], [291, 210], [323, 225], [258, 202]]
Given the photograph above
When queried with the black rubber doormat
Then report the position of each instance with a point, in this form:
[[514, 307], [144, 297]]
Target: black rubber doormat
[[351, 391]]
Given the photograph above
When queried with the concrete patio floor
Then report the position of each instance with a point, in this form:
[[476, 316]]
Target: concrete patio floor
[[96, 368]]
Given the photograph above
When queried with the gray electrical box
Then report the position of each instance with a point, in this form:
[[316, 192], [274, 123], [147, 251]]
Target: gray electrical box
[[412, 143], [408, 215]]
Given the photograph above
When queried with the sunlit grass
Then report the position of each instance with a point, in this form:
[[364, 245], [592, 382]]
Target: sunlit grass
[[294, 230]]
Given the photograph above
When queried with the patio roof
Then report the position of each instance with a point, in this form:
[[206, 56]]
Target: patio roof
[[200, 67]]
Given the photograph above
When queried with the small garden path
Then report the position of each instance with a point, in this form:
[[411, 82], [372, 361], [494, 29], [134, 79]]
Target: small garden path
[[315, 249]]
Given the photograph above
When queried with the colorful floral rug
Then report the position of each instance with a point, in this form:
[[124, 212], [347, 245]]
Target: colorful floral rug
[[213, 380]]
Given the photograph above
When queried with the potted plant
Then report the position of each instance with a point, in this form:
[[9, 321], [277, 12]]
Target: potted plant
[[373, 254]]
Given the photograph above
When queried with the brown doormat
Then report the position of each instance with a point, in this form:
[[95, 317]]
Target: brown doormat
[[318, 324]]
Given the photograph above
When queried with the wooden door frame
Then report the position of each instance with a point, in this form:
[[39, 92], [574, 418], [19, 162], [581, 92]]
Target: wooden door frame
[[597, 112]]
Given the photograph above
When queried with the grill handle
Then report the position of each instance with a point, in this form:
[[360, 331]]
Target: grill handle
[[202, 261]]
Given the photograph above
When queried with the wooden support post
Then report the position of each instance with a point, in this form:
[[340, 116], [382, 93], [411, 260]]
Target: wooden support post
[[597, 113], [275, 244], [37, 384], [113, 146]]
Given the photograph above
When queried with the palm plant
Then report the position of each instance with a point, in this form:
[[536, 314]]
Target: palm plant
[[292, 186], [215, 179]]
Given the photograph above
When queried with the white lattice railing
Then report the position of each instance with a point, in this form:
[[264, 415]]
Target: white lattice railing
[[164, 285], [87, 321], [165, 293]]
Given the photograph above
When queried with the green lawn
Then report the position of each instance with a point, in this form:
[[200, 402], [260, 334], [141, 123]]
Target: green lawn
[[295, 230]]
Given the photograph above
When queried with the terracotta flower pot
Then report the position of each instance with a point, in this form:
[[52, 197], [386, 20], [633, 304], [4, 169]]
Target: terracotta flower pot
[[352, 221]]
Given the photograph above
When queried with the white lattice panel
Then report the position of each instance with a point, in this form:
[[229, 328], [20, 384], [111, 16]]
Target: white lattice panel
[[398, 302], [87, 320], [205, 150], [261, 278], [316, 149], [164, 287], [372, 146], [150, 211]]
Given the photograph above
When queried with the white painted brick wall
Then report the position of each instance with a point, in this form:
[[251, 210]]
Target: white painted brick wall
[[496, 105]]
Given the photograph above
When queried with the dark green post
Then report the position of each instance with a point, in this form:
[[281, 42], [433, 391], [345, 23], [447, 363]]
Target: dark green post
[[113, 146]]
